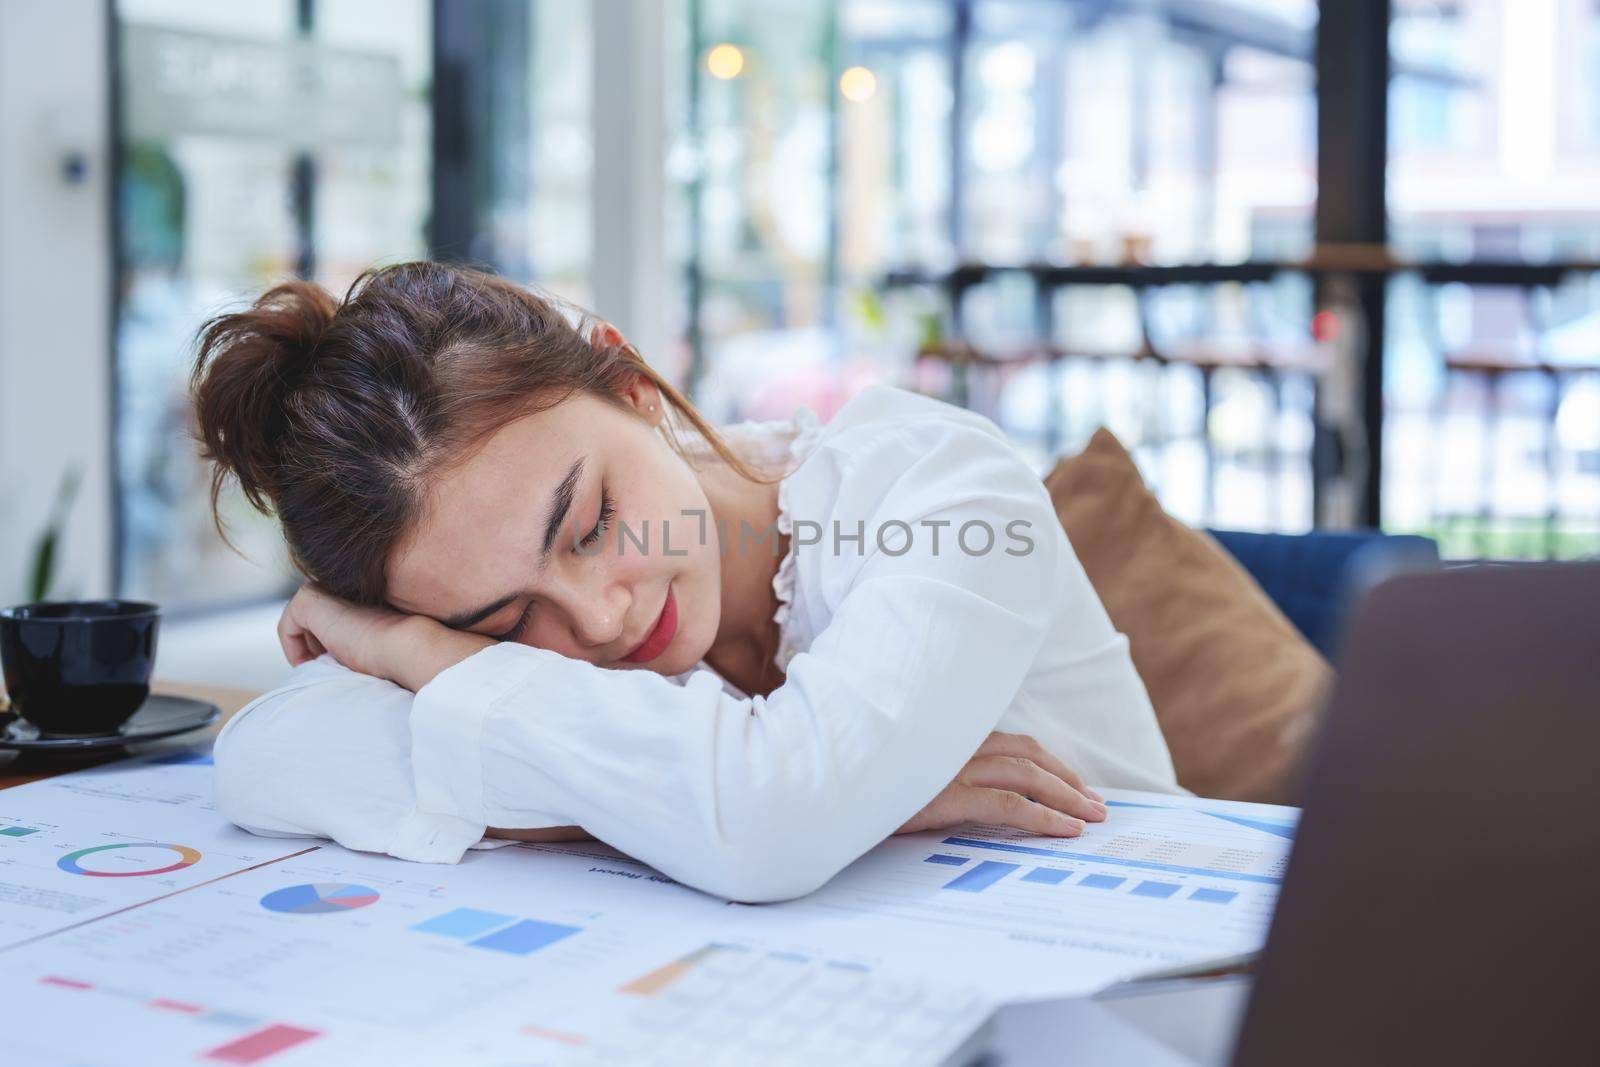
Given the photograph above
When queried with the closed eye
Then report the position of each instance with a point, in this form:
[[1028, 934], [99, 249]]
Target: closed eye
[[592, 538], [516, 630]]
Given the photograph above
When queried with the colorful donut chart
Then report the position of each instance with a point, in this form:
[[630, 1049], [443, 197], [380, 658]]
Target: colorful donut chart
[[186, 857]]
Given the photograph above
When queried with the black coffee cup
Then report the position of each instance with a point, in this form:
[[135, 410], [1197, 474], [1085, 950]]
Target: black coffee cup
[[78, 668]]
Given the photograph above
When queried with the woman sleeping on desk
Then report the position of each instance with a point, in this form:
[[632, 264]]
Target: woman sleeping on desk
[[549, 601]]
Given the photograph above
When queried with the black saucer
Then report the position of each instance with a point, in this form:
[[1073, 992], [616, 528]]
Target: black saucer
[[159, 716]]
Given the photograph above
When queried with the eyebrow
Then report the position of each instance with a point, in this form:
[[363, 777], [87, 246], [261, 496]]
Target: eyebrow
[[560, 504]]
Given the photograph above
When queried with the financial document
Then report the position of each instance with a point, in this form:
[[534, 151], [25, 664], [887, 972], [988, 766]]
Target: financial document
[[127, 899], [85, 845], [350, 956], [1164, 881], [521, 955]]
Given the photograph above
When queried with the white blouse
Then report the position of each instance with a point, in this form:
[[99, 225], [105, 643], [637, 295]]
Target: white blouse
[[904, 647]]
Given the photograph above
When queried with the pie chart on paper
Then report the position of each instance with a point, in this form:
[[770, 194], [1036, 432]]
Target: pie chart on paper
[[319, 898]]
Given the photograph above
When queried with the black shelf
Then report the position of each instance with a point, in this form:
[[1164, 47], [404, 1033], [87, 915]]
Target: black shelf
[[1140, 276]]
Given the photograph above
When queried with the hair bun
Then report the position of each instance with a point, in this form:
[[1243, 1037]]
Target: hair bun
[[249, 364]]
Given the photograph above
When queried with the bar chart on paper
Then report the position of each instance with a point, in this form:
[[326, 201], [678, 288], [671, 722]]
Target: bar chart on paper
[[500, 933], [1162, 844], [1163, 881]]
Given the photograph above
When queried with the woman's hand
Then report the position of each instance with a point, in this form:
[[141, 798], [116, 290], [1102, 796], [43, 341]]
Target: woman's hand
[[1013, 781], [408, 650]]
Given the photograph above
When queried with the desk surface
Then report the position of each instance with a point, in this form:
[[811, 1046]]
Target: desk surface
[[17, 768]]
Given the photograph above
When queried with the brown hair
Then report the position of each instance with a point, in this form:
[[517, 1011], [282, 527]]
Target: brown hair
[[336, 416]]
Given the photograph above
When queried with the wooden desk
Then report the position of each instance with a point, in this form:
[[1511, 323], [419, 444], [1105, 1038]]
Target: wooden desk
[[17, 768]]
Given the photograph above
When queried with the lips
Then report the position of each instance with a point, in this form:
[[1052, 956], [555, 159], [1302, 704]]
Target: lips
[[660, 635]]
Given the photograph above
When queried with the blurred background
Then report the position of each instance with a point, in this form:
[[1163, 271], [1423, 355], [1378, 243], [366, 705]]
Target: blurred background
[[1328, 267]]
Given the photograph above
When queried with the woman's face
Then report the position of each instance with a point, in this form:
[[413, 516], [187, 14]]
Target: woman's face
[[525, 540]]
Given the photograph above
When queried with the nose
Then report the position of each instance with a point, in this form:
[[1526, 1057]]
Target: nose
[[599, 615]]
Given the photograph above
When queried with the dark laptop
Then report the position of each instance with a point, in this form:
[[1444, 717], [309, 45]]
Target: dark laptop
[[1442, 903]]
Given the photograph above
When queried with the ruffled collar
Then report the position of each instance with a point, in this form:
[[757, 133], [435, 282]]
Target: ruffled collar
[[784, 443], [806, 430]]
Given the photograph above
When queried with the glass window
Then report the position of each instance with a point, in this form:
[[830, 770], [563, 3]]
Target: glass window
[[1131, 131], [1492, 391], [526, 157], [559, 209], [253, 147], [534, 154], [894, 136], [834, 142], [1587, 98], [1492, 153], [760, 120]]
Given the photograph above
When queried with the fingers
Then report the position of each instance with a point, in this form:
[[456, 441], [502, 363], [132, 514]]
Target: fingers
[[961, 802], [1014, 781], [299, 644], [1001, 744], [289, 639], [297, 648], [1006, 808], [1023, 776]]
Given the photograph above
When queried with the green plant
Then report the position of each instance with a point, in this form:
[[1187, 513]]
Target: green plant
[[44, 553], [869, 309]]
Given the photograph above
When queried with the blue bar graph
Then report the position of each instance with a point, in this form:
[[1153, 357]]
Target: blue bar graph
[[981, 877], [1213, 896], [527, 936], [949, 861], [464, 923], [1159, 890], [1101, 881], [1118, 861], [1047, 875]]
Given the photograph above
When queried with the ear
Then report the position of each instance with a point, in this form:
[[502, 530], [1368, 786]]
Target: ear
[[643, 396], [604, 335]]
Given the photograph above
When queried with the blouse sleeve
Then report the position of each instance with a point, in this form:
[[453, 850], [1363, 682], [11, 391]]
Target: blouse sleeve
[[762, 798], [327, 754]]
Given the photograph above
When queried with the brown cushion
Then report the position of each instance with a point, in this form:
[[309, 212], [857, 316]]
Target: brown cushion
[[1234, 684]]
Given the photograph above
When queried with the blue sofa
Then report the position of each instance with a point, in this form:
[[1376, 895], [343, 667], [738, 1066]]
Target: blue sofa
[[1316, 578]]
